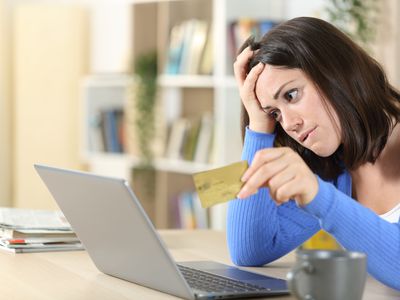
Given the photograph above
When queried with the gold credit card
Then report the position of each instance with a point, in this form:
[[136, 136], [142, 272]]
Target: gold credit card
[[219, 185]]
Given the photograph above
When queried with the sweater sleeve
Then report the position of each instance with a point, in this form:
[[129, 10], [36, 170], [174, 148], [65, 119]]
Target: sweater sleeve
[[357, 228], [259, 231]]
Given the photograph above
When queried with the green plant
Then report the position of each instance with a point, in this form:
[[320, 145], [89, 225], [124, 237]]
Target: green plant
[[357, 18], [145, 78]]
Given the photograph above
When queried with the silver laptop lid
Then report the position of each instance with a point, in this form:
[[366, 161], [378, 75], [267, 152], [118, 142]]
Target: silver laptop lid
[[110, 222]]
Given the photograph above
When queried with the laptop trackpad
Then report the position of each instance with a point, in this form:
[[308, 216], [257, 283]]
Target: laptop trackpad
[[236, 273]]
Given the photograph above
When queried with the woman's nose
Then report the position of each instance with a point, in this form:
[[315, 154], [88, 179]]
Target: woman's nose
[[291, 121]]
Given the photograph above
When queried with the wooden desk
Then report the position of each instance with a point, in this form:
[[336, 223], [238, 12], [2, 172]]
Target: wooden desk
[[72, 275]]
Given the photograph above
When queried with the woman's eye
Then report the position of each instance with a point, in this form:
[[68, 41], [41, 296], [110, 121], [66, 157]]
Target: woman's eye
[[274, 114], [291, 95]]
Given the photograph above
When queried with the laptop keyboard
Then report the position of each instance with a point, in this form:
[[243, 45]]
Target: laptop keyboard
[[213, 283]]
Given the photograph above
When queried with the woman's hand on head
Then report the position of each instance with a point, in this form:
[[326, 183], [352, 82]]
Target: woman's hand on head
[[259, 120], [284, 172]]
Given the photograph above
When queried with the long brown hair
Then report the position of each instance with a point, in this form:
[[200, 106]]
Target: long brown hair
[[345, 75]]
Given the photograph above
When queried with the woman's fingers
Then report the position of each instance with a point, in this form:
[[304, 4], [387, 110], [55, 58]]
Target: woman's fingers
[[288, 190], [262, 176], [240, 65], [262, 157], [278, 183], [249, 84], [284, 172], [258, 119]]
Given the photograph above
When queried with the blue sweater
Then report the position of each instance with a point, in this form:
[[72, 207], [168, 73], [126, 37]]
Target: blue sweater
[[259, 231]]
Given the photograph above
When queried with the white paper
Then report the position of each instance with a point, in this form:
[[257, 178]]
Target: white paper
[[17, 218]]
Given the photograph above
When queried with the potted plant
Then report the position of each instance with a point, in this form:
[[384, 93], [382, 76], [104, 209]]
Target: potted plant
[[144, 100], [356, 18]]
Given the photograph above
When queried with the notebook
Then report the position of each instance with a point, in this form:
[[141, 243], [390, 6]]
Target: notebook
[[120, 239]]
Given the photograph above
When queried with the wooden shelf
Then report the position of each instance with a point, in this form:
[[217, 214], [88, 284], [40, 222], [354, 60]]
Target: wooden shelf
[[186, 81], [196, 81], [160, 164]]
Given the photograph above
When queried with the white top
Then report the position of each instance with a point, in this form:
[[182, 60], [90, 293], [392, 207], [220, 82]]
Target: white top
[[392, 215]]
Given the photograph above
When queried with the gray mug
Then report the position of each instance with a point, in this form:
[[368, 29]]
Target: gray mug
[[328, 275]]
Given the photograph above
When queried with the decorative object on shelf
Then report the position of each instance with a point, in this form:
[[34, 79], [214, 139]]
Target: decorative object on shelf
[[357, 18]]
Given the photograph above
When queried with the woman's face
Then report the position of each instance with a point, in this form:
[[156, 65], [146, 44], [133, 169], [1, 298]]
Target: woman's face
[[292, 99]]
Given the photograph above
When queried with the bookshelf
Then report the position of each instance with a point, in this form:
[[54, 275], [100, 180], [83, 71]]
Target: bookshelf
[[184, 91]]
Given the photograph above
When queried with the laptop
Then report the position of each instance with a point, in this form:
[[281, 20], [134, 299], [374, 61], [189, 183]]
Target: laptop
[[122, 242]]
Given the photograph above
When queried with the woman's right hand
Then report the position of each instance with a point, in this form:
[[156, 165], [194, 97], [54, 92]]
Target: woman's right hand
[[259, 120]]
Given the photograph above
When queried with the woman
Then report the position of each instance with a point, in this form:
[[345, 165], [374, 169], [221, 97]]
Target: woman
[[322, 137]]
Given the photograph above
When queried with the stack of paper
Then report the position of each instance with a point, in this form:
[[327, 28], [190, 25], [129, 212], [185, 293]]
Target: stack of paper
[[27, 230]]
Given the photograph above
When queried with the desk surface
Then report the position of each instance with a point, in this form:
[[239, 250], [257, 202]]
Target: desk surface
[[72, 275]]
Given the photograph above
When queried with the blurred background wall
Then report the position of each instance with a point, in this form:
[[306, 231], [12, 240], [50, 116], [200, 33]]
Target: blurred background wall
[[50, 56], [5, 105], [44, 54]]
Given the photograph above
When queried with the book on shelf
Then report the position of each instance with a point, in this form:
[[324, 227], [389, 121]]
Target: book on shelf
[[206, 66], [204, 140], [197, 47], [194, 43], [200, 213], [112, 123], [175, 49], [176, 138], [29, 230], [187, 218], [106, 131], [187, 46], [241, 29], [190, 143], [96, 143], [190, 139], [188, 213], [188, 33]]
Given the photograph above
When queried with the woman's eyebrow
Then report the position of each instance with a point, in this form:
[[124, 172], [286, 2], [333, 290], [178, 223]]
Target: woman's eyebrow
[[276, 95]]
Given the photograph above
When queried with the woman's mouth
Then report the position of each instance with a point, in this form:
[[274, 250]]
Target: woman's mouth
[[304, 136]]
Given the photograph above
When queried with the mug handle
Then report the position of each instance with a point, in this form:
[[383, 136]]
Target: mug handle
[[291, 278]]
